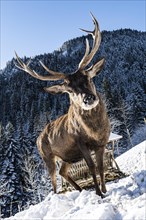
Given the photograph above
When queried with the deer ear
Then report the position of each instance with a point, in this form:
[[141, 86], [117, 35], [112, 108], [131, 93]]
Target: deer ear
[[55, 89], [96, 68]]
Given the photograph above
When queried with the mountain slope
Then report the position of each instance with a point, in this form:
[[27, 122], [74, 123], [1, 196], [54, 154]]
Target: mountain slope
[[122, 82]]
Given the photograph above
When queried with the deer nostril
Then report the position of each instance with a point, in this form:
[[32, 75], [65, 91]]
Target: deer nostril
[[89, 99]]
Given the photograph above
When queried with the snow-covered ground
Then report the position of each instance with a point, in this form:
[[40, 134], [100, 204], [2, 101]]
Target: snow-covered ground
[[125, 199]]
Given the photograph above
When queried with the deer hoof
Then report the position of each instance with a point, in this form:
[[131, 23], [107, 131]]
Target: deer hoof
[[104, 189]]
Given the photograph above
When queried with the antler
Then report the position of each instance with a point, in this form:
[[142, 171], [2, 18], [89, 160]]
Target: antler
[[53, 75], [96, 42]]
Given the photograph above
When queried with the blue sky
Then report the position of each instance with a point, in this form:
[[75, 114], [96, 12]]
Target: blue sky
[[36, 27]]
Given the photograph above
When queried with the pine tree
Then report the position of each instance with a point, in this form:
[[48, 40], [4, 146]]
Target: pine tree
[[9, 176]]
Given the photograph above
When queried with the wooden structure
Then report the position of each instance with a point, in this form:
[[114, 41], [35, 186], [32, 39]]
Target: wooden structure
[[80, 172]]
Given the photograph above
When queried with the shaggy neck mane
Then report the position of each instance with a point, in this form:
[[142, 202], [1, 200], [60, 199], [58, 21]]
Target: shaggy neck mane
[[86, 121]]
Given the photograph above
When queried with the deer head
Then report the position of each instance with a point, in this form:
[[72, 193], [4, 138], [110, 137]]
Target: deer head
[[79, 84]]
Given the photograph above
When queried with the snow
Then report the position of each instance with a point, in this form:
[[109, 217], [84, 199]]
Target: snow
[[114, 137], [125, 199], [64, 53]]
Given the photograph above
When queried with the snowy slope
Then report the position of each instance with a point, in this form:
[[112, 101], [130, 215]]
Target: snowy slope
[[125, 199]]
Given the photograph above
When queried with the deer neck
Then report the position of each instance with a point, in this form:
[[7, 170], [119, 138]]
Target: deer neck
[[86, 121]]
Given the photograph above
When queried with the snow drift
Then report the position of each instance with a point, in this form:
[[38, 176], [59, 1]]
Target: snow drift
[[124, 200]]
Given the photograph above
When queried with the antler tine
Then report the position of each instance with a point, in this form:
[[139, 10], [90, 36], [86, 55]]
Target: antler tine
[[19, 61], [51, 71], [89, 32], [86, 53], [96, 33], [96, 42], [27, 69]]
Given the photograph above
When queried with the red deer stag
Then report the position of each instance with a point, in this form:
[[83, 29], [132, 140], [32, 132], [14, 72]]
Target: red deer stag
[[84, 128]]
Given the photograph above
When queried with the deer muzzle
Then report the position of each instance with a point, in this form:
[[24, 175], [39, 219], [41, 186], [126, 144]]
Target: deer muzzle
[[89, 99]]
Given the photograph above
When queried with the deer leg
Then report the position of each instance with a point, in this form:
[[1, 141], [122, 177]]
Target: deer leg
[[64, 173], [92, 168], [99, 160], [48, 157], [51, 166]]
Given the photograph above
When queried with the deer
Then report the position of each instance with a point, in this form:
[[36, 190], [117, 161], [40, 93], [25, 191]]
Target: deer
[[85, 127]]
